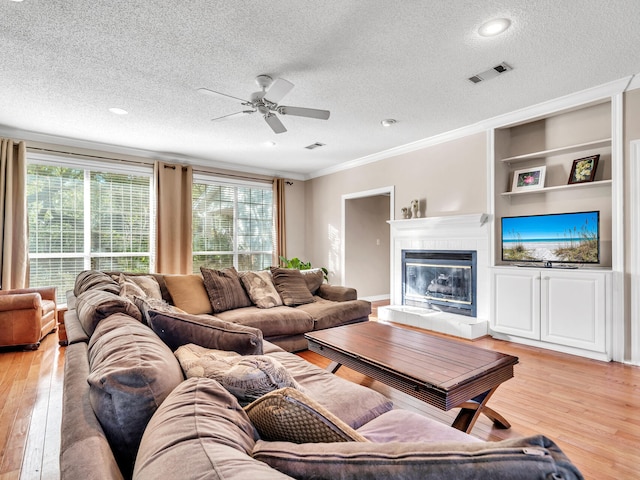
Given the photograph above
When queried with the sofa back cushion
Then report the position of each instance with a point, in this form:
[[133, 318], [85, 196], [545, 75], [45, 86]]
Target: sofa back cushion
[[94, 279], [224, 289], [291, 286], [200, 431], [132, 372], [177, 329], [520, 458], [92, 306], [188, 293]]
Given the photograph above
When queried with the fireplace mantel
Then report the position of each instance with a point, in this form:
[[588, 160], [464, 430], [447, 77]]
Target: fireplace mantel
[[452, 221]]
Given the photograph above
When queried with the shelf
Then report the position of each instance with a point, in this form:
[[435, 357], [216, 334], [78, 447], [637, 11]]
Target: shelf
[[605, 142], [557, 188]]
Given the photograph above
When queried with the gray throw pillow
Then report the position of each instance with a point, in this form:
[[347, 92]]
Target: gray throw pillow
[[291, 286], [177, 329], [247, 377], [259, 286], [314, 277], [224, 289]]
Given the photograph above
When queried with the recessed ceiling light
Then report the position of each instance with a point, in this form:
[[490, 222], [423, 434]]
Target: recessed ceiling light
[[387, 122], [269, 144], [494, 27], [118, 111]]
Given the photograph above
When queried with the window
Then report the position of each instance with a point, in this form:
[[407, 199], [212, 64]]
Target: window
[[232, 225], [84, 218]]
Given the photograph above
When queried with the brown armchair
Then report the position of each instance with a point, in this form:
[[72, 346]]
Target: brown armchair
[[26, 316]]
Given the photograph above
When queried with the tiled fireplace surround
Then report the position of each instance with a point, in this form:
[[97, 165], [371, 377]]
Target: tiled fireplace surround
[[456, 232]]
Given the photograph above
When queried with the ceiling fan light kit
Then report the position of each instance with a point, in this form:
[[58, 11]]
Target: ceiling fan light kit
[[267, 103]]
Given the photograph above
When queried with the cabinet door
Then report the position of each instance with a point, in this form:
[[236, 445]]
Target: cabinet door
[[516, 302], [574, 309]]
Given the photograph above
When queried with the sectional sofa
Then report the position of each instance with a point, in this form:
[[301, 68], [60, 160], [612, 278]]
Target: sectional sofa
[[152, 391]]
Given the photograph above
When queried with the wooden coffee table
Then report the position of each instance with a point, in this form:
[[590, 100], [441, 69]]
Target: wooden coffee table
[[442, 372]]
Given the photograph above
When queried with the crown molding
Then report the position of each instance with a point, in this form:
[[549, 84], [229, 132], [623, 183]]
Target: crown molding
[[591, 95]]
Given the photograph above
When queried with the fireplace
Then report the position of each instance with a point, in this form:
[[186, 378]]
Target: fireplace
[[442, 280]]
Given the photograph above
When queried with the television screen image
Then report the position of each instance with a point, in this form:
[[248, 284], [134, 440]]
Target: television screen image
[[557, 237]]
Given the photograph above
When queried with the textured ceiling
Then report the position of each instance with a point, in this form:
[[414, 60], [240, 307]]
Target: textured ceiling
[[65, 62]]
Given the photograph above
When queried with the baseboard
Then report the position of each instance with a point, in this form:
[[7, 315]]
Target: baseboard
[[376, 298]]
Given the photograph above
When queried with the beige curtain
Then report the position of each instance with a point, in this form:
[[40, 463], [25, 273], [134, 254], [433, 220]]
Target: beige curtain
[[13, 209], [173, 218], [280, 222]]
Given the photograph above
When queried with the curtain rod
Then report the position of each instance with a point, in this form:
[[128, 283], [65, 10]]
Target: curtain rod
[[122, 160]]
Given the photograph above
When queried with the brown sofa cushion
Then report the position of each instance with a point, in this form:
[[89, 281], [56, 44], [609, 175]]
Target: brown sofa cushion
[[327, 314], [200, 431], [132, 372], [247, 377], [516, 459], [96, 280], [291, 416], [259, 286], [177, 329], [334, 393], [271, 321], [93, 305], [188, 293], [224, 289], [291, 286], [313, 277]]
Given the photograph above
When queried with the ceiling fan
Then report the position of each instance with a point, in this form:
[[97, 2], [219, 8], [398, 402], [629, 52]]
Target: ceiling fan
[[267, 103]]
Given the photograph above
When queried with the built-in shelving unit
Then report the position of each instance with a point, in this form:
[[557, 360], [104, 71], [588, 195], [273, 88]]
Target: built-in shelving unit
[[559, 151], [557, 188]]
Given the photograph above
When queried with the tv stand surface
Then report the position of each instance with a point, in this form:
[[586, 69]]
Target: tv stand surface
[[547, 265]]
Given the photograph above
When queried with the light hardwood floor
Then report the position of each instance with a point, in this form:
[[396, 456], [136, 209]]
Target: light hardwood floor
[[590, 408]]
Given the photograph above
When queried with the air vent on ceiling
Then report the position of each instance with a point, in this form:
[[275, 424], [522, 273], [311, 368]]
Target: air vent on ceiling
[[491, 73], [314, 145]]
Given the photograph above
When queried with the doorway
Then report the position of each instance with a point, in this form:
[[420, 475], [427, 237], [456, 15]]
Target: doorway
[[366, 248]]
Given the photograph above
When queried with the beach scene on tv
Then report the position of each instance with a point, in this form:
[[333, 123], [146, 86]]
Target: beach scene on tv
[[565, 237]]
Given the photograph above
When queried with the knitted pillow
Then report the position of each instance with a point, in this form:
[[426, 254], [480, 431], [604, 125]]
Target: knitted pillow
[[146, 284], [291, 286], [248, 377], [288, 415], [260, 288], [224, 289]]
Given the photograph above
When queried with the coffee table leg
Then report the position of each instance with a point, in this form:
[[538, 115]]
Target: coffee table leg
[[333, 367], [471, 410]]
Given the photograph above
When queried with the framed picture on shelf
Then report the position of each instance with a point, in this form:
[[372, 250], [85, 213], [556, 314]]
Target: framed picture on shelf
[[528, 179], [584, 169]]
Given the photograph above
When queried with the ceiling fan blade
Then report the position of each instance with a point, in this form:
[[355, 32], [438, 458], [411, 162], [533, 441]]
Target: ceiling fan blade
[[213, 93], [305, 112], [278, 89], [225, 117], [275, 123]]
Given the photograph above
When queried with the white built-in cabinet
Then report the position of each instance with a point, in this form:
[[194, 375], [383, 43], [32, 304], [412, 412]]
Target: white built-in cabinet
[[570, 310], [563, 309]]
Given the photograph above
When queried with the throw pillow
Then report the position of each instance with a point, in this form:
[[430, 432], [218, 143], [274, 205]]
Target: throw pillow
[[146, 284], [224, 289], [130, 290], [288, 415], [92, 306], [314, 277], [132, 372], [291, 286], [177, 329], [248, 377], [188, 293], [260, 288]]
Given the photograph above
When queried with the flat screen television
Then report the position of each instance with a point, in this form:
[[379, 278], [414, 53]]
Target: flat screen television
[[552, 238]]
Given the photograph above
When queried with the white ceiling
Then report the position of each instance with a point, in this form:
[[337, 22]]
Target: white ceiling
[[66, 62]]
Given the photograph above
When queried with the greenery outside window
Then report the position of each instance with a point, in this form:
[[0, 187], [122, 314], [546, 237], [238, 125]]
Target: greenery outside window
[[233, 225], [87, 216]]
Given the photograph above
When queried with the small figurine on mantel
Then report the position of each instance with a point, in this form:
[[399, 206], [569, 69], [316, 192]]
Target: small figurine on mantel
[[415, 208], [405, 212]]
